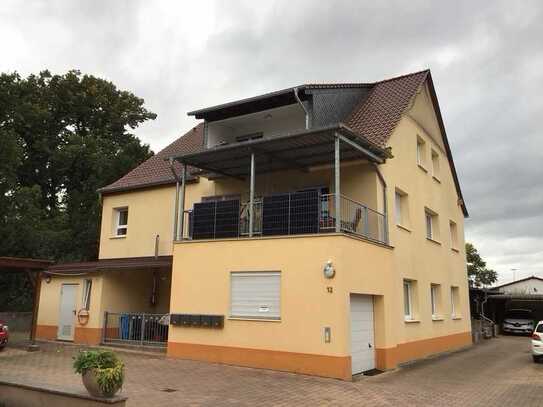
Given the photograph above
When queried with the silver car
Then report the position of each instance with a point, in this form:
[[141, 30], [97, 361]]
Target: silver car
[[518, 321]]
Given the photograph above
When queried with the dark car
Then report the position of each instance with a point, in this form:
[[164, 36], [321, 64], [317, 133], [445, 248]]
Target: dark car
[[4, 335], [518, 321]]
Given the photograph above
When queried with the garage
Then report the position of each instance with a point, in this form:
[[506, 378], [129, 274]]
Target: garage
[[362, 336]]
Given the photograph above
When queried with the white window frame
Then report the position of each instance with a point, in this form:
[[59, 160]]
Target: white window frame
[[454, 290], [398, 202], [421, 153], [118, 225], [87, 292], [408, 290], [429, 222], [264, 311], [435, 163], [453, 228], [434, 298]]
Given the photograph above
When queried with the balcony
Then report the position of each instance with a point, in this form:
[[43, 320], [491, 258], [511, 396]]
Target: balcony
[[305, 212]]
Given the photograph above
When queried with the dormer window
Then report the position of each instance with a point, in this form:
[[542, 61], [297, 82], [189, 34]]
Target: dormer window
[[121, 221], [251, 136]]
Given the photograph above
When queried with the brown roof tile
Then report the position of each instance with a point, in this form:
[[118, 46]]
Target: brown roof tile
[[377, 115], [156, 171]]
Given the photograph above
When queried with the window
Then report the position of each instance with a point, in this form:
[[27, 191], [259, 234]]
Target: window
[[455, 299], [401, 208], [87, 288], [454, 235], [421, 152], [435, 164], [255, 295], [434, 296], [121, 221], [408, 299], [432, 225]]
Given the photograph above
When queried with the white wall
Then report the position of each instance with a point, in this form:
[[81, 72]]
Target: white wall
[[271, 122], [531, 286]]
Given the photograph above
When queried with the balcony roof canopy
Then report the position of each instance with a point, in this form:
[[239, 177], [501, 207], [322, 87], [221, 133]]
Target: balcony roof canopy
[[298, 150]]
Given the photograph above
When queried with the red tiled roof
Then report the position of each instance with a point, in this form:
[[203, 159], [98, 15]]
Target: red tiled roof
[[156, 170], [376, 116]]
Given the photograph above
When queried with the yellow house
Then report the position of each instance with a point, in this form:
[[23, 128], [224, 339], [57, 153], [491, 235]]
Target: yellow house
[[316, 229]]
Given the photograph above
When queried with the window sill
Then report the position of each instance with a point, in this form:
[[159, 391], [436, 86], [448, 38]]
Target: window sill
[[403, 227], [118, 237], [423, 168], [254, 319], [456, 317], [411, 321], [454, 249], [433, 241], [437, 318]]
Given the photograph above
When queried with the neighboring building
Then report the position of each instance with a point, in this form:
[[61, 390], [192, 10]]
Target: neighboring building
[[322, 232], [527, 286]]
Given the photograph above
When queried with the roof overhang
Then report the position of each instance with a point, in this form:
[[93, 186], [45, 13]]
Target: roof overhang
[[18, 264], [299, 150], [127, 263]]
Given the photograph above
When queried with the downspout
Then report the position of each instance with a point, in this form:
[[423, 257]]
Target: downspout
[[303, 107], [176, 205], [385, 206]]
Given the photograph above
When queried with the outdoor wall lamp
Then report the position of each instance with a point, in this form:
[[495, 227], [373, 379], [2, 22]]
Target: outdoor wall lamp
[[329, 271]]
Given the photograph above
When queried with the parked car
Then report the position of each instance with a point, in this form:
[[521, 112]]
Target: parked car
[[4, 335], [519, 321], [537, 342]]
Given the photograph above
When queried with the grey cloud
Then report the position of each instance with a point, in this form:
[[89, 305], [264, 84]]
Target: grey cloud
[[486, 60]]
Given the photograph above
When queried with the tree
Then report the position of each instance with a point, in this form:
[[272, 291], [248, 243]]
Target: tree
[[61, 138], [478, 274]]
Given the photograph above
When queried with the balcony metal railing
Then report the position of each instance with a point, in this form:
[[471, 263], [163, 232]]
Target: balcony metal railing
[[305, 212], [132, 328]]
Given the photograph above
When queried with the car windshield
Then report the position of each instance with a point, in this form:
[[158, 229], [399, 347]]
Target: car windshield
[[539, 328], [518, 314]]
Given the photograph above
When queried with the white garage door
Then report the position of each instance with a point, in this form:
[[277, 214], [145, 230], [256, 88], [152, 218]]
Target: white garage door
[[362, 349]]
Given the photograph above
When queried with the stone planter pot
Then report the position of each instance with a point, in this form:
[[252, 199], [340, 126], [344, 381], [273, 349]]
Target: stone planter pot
[[91, 384]]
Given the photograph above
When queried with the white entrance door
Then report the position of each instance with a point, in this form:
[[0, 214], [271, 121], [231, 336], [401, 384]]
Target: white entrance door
[[67, 312], [362, 345]]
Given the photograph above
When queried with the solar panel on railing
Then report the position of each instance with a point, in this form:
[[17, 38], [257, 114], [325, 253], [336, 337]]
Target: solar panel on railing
[[203, 220], [275, 214], [304, 212], [227, 219]]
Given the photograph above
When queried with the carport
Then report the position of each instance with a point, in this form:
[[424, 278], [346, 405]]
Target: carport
[[33, 268], [498, 304]]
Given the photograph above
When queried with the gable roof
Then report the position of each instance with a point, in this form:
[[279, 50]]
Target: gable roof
[[517, 281], [156, 170], [374, 118]]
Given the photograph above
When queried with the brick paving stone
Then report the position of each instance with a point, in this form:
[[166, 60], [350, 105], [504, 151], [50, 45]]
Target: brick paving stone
[[499, 372]]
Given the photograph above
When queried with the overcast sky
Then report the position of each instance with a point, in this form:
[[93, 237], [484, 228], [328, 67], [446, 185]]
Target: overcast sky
[[486, 60]]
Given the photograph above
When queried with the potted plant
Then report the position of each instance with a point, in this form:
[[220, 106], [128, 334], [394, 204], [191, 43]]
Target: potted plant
[[102, 372]]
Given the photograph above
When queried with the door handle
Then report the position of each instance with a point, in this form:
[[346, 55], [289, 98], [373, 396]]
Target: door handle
[[369, 345], [74, 311]]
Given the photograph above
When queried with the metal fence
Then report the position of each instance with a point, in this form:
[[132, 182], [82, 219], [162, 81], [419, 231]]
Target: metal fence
[[131, 328], [355, 218], [296, 213]]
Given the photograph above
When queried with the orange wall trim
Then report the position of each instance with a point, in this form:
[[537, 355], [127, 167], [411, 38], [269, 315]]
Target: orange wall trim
[[88, 336], [389, 358], [338, 367], [48, 332]]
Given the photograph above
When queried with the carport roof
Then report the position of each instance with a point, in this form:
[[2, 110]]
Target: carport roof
[[296, 150], [23, 264], [126, 263]]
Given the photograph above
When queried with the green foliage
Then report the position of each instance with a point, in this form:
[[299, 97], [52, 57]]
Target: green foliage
[[61, 138], [478, 274], [108, 368]]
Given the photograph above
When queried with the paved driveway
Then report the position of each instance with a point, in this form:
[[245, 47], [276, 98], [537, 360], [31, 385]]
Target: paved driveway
[[498, 372]]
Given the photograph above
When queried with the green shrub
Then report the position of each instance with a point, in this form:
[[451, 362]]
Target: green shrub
[[109, 369]]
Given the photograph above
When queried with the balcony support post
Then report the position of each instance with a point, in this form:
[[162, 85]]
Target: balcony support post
[[181, 215], [337, 187], [252, 195]]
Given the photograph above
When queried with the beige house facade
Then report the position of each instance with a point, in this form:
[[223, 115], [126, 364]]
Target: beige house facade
[[316, 229]]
